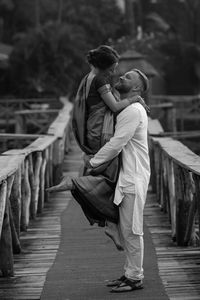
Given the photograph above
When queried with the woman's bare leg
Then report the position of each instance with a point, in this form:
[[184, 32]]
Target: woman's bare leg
[[113, 232], [66, 184]]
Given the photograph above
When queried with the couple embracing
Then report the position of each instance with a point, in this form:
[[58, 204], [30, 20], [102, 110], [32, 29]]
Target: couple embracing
[[110, 126]]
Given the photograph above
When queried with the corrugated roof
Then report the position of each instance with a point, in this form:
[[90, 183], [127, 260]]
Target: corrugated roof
[[129, 54], [140, 64]]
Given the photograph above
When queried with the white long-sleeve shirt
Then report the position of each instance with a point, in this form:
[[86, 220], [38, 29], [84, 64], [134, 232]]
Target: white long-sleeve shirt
[[130, 138]]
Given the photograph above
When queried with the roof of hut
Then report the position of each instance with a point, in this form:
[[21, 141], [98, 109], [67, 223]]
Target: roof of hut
[[130, 54], [132, 59]]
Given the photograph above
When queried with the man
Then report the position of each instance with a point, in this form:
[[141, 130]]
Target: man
[[130, 139]]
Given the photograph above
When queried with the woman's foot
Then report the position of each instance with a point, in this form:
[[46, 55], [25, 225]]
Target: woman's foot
[[113, 233], [65, 185]]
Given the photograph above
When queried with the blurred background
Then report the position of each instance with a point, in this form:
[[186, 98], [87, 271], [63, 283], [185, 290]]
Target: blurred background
[[43, 43]]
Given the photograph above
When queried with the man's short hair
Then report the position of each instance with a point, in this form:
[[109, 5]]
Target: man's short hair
[[144, 80]]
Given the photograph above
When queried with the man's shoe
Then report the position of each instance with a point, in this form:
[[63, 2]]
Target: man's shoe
[[116, 282], [128, 286]]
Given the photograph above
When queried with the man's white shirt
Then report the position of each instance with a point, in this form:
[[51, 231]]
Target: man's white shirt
[[131, 140]]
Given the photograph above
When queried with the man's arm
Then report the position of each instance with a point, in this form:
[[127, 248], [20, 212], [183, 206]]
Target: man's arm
[[127, 122]]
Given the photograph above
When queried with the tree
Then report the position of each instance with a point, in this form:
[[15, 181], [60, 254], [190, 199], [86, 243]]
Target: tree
[[171, 41], [60, 11], [178, 29], [37, 14], [50, 46]]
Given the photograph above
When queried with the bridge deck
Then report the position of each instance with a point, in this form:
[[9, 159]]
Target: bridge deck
[[86, 258]]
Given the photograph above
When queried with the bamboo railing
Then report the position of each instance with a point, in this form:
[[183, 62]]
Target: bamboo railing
[[37, 118], [166, 112], [186, 109], [176, 181], [24, 175], [8, 107]]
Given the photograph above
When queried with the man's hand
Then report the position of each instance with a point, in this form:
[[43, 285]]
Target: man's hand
[[139, 99]]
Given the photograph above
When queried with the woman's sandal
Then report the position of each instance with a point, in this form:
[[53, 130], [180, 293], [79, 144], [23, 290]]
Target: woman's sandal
[[128, 286], [116, 282]]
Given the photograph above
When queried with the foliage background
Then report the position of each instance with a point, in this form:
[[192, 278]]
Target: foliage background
[[50, 39]]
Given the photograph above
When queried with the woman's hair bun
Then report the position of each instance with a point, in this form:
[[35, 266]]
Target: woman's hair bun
[[102, 57]]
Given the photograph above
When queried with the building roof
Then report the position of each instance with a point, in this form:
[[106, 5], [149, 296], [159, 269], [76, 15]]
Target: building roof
[[132, 59], [131, 54]]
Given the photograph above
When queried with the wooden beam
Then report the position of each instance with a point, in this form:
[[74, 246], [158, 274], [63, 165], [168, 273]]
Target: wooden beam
[[17, 136], [36, 111]]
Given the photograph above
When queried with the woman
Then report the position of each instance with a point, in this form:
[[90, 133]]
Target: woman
[[93, 125]]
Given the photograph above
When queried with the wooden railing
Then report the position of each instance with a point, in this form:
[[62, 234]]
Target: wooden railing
[[187, 108], [166, 112], [8, 107], [36, 120], [176, 181], [24, 175]]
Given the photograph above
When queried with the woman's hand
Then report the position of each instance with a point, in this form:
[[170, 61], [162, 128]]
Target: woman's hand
[[86, 159], [139, 99]]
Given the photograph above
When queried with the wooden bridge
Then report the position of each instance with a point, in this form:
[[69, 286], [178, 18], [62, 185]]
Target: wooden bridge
[[48, 250]]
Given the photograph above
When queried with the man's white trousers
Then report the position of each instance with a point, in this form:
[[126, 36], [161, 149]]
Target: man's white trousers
[[133, 243]]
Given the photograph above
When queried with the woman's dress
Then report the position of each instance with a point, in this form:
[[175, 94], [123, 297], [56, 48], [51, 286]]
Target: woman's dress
[[93, 126]]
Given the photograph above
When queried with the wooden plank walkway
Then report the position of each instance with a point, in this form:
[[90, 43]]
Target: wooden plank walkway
[[179, 267], [40, 244], [87, 258]]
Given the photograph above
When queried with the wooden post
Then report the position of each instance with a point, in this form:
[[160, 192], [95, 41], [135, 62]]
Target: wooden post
[[32, 185], [197, 202], [58, 153], [6, 255], [153, 169], [164, 185], [157, 159], [15, 200], [2, 205], [42, 184], [172, 200], [183, 203], [51, 165], [20, 126], [197, 184], [47, 173], [35, 182], [26, 198], [15, 239], [189, 237], [171, 118]]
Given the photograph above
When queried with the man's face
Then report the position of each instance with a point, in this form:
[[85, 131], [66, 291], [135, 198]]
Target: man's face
[[129, 81]]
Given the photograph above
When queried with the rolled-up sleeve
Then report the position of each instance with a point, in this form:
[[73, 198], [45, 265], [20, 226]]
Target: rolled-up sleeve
[[127, 122]]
